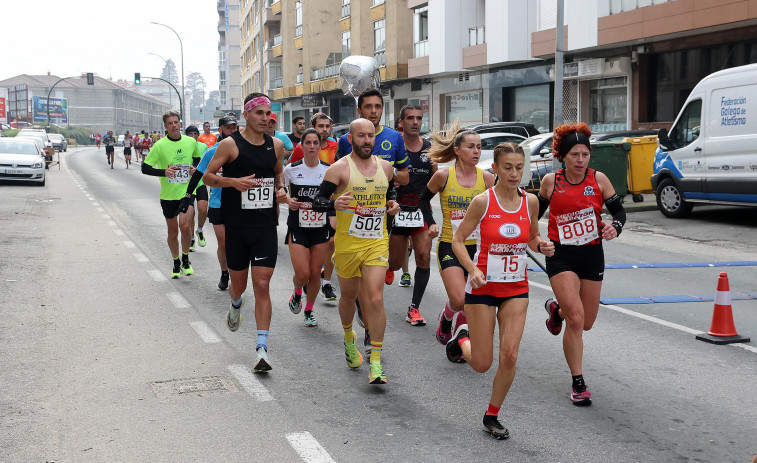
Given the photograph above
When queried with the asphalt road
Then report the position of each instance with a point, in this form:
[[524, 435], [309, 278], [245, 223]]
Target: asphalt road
[[93, 333]]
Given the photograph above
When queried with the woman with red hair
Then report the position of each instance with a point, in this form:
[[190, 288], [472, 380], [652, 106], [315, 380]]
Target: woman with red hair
[[575, 195]]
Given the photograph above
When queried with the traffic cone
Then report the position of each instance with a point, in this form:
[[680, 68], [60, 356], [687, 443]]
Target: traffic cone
[[722, 329]]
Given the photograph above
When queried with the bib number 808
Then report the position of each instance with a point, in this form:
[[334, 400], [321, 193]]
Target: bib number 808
[[579, 229]]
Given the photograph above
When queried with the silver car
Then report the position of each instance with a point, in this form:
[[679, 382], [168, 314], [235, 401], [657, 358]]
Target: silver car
[[59, 141], [21, 159]]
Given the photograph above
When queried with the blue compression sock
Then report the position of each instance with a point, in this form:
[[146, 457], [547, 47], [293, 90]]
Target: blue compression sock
[[262, 340]]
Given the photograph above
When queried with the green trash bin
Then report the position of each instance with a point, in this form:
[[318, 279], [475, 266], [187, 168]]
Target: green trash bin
[[611, 158]]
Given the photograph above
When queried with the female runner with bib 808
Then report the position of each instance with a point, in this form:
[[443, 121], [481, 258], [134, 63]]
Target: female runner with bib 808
[[575, 195], [497, 287]]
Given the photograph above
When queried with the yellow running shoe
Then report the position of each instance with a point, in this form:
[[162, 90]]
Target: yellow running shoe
[[376, 375], [353, 356]]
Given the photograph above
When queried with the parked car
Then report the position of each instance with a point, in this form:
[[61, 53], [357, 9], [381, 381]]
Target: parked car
[[519, 128], [488, 142], [339, 130], [59, 141], [19, 125], [42, 136], [22, 160], [620, 135], [539, 147], [5, 127]]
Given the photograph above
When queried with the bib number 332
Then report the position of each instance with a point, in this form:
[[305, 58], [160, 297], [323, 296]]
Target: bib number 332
[[368, 222], [260, 196]]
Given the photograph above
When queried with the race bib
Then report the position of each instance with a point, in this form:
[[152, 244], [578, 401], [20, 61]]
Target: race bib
[[577, 228], [310, 218], [260, 196], [409, 219], [181, 175], [456, 218], [506, 263], [368, 222]]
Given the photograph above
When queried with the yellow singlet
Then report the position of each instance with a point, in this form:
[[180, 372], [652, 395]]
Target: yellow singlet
[[363, 224], [455, 200]]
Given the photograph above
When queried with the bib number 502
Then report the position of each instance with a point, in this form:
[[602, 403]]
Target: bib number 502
[[368, 223]]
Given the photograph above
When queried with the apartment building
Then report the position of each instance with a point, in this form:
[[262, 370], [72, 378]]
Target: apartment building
[[229, 57], [292, 51]]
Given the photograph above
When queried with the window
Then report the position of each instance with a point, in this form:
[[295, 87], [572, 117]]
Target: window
[[298, 19], [608, 105], [222, 78], [476, 35], [345, 8], [420, 32], [379, 41], [378, 2], [223, 98], [688, 126], [530, 103], [222, 58], [346, 44]]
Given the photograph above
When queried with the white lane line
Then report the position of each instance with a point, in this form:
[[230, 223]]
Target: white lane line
[[250, 383], [100, 209], [106, 216], [745, 346], [308, 448], [129, 244], [178, 300], [111, 223], [141, 257], [118, 232], [157, 275], [205, 332]]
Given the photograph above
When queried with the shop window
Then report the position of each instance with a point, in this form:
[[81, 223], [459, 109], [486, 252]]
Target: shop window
[[608, 105], [464, 107], [423, 103], [530, 104]]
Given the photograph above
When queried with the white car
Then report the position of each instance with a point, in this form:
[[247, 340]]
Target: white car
[[489, 141], [21, 159]]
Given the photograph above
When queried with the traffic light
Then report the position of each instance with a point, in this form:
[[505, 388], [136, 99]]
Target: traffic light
[[90, 78], [137, 79]]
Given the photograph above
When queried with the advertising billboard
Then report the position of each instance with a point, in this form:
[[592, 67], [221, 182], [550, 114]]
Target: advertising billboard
[[4, 105], [58, 109]]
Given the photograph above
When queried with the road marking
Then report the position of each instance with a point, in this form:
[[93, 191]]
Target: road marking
[[129, 244], [100, 209], [250, 383], [111, 223], [141, 257], [157, 275], [106, 216], [178, 300], [745, 346], [308, 448], [118, 232], [205, 332], [735, 296]]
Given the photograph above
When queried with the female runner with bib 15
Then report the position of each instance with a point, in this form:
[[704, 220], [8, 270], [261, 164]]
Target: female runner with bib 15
[[497, 287], [575, 195]]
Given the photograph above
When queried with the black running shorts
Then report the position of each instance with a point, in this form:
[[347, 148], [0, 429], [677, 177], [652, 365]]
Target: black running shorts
[[171, 208], [409, 231], [307, 237], [215, 216], [446, 257], [587, 261], [109, 149], [127, 151], [492, 301], [251, 247], [201, 193]]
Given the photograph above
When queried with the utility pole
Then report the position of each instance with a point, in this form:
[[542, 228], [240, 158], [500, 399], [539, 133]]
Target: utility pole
[[559, 48]]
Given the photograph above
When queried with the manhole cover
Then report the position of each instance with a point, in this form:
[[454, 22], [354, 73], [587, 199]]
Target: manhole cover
[[193, 386]]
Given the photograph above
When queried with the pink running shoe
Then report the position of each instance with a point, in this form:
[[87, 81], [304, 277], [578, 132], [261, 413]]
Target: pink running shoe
[[582, 398], [458, 320], [444, 330], [554, 322]]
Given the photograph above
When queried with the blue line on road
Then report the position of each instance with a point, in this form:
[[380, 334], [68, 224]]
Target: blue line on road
[[671, 299], [737, 263]]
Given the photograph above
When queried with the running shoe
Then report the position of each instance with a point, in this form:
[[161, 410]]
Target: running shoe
[[111, 166], [201, 239], [234, 317], [554, 322], [192, 246], [406, 280], [414, 317], [310, 320], [353, 356], [367, 343], [295, 303], [359, 315], [454, 351], [444, 330], [389, 279], [376, 375], [494, 428], [328, 292], [459, 319], [580, 396], [262, 365], [223, 283], [186, 267], [176, 272]]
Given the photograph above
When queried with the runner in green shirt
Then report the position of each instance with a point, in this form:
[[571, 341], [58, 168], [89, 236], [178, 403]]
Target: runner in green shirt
[[173, 158]]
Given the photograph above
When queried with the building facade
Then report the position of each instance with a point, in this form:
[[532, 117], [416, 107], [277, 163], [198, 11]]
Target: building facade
[[229, 56], [100, 107]]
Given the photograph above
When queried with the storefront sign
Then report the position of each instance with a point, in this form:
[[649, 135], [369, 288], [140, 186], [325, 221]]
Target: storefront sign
[[591, 67], [312, 101], [570, 70]]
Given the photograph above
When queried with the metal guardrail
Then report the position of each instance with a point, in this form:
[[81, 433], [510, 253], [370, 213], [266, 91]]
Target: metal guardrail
[[420, 49], [277, 39], [325, 72], [380, 57], [476, 35], [299, 78]]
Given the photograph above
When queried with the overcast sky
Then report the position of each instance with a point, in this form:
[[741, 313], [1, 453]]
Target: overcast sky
[[109, 38]]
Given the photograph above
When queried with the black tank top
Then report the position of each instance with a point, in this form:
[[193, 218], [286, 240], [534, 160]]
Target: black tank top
[[420, 174], [258, 160]]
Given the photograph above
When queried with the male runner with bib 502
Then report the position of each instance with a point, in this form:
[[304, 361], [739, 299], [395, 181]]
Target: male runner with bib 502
[[365, 193], [252, 185]]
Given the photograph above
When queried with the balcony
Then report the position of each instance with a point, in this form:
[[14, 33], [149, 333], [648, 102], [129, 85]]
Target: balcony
[[299, 78], [276, 7], [380, 58], [325, 72], [476, 36], [298, 31], [420, 49], [268, 15], [276, 83]]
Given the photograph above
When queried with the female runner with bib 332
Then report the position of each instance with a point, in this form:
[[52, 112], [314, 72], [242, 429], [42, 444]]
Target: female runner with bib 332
[[575, 195], [497, 288]]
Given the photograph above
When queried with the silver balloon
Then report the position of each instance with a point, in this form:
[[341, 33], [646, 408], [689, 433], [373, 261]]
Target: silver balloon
[[359, 73]]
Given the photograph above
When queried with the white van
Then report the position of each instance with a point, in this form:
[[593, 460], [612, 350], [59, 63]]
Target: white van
[[710, 154]]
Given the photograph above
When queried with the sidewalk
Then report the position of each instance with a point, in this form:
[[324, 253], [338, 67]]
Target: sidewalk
[[649, 203]]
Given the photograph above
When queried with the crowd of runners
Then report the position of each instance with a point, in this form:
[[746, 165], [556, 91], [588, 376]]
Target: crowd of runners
[[361, 205]]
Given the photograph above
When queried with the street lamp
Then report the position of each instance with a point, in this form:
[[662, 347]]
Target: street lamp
[[170, 95], [181, 45]]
